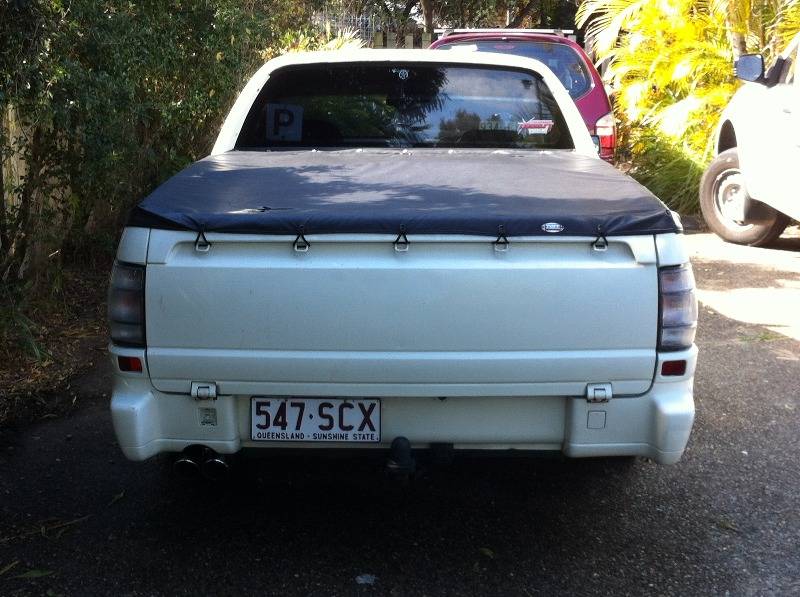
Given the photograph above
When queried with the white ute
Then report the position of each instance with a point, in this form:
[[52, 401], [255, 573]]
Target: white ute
[[400, 248]]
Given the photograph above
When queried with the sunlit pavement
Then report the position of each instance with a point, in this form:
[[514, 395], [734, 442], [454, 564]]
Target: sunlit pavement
[[748, 284]]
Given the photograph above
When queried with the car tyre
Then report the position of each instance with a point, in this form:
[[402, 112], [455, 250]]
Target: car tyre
[[721, 185]]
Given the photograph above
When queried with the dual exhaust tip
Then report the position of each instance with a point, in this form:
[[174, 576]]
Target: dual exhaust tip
[[196, 461]]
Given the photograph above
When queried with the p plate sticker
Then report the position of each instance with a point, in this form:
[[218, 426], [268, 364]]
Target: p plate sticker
[[552, 227], [284, 122], [534, 127]]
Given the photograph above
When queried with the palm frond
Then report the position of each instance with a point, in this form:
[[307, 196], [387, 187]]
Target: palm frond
[[606, 20], [786, 24]]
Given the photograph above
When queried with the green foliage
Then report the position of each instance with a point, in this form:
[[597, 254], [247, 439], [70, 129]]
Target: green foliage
[[309, 40], [16, 328], [670, 65], [408, 16], [107, 100], [667, 169], [786, 23]]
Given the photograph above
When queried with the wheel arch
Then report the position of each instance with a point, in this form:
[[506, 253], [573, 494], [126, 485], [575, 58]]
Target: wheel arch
[[727, 137]]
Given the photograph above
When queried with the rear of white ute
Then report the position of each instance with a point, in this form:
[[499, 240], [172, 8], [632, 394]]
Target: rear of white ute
[[453, 296], [608, 370]]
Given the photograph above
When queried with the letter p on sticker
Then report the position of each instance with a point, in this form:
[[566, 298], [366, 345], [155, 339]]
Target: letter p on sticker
[[284, 122]]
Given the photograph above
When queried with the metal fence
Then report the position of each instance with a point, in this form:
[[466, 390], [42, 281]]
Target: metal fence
[[376, 31], [333, 22]]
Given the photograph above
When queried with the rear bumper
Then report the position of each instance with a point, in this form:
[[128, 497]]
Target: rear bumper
[[656, 425]]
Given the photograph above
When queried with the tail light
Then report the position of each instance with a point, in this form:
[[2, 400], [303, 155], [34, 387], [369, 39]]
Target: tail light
[[126, 304], [606, 132], [678, 320]]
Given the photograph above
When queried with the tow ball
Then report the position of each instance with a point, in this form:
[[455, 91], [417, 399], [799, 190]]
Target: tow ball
[[401, 462]]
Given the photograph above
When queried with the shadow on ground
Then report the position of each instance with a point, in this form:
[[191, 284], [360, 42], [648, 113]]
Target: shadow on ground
[[787, 243]]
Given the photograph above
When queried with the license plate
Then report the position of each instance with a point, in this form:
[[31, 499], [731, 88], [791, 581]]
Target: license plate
[[315, 420]]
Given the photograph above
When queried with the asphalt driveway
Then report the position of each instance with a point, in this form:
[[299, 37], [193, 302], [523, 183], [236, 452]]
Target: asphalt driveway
[[77, 519]]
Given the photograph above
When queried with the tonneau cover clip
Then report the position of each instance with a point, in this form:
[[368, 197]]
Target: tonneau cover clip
[[601, 242], [201, 244], [301, 244], [401, 242], [501, 244]]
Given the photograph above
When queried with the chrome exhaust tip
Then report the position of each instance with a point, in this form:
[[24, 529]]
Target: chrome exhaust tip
[[186, 468], [215, 467]]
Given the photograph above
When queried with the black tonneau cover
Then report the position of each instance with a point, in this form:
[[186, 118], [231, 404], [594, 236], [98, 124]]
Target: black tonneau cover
[[427, 191]]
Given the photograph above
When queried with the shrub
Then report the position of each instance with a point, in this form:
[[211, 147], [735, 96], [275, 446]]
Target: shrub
[[103, 101]]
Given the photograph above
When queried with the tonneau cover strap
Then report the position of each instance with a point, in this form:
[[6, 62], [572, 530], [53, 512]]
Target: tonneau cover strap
[[501, 243]]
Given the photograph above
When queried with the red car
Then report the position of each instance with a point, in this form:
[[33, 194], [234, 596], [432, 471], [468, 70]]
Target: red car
[[563, 56]]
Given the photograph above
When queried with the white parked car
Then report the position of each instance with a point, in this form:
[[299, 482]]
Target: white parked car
[[749, 192], [402, 251]]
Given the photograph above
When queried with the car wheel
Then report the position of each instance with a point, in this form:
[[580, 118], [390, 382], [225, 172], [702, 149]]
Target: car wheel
[[722, 200]]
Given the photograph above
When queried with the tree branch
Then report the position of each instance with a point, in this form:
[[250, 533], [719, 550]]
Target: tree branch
[[427, 14], [524, 12], [407, 8], [3, 232]]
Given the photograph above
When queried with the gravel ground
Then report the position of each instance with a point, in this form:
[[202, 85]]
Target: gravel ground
[[77, 519]]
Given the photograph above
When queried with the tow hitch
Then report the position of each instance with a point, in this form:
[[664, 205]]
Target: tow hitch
[[401, 462]]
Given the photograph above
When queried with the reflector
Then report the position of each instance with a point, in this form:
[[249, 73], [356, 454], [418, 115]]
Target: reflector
[[131, 364], [673, 368]]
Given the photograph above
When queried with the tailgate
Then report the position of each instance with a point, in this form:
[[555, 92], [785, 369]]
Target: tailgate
[[353, 317]]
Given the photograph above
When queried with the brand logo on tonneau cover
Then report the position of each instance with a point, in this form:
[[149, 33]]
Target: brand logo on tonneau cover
[[552, 227]]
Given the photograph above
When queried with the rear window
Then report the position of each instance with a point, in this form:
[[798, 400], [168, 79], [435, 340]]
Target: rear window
[[563, 60], [394, 105]]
